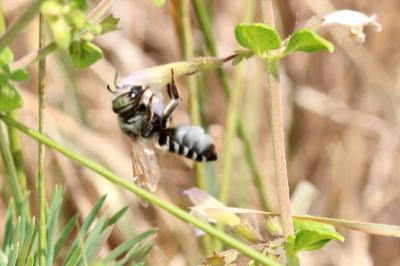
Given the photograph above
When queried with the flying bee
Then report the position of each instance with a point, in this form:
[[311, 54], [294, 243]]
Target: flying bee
[[142, 116]]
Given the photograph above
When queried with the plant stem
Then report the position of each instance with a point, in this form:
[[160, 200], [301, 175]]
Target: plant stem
[[41, 178], [13, 137], [278, 136], [278, 143], [194, 109], [123, 182], [11, 175], [187, 45], [16, 152], [205, 26], [17, 26], [35, 56]]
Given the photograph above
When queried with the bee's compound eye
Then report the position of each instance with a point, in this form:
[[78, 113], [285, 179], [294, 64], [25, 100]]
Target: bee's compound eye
[[132, 94]]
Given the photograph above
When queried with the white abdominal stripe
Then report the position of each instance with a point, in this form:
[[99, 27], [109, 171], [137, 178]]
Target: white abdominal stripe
[[189, 141]]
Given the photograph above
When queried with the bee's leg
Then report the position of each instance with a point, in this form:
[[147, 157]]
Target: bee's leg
[[173, 104]]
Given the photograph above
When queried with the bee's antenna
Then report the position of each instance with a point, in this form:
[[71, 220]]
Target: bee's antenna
[[109, 89], [115, 84], [115, 79]]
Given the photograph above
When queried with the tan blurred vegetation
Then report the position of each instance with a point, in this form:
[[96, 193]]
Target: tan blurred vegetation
[[341, 116]]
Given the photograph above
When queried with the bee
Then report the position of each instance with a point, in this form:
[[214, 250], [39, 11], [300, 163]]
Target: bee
[[142, 116]]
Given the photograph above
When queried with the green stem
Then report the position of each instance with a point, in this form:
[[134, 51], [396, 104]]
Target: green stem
[[13, 137], [187, 45], [205, 25], [278, 136], [123, 182], [230, 134], [41, 178], [35, 56], [17, 26], [278, 143], [11, 175], [194, 109], [16, 152]]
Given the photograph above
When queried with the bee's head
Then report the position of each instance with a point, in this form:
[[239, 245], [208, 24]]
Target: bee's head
[[127, 97]]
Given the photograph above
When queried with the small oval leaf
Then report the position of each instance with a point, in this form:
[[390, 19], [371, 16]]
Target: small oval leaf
[[19, 75], [313, 235], [84, 53], [257, 37], [307, 40], [9, 98], [6, 56]]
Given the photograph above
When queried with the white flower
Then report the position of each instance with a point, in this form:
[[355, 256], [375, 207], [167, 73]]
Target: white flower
[[354, 20]]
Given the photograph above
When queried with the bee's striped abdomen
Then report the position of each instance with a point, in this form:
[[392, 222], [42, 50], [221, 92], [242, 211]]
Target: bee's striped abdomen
[[189, 141]]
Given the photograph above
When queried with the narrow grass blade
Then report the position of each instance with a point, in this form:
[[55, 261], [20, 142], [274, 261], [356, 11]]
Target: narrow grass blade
[[127, 245], [53, 216], [84, 229], [95, 240], [12, 257], [9, 229], [116, 216], [27, 243], [65, 234]]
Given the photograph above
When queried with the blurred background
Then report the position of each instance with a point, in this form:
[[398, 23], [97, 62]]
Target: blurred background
[[341, 116]]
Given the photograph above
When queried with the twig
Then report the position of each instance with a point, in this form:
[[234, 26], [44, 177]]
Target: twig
[[41, 178], [278, 136]]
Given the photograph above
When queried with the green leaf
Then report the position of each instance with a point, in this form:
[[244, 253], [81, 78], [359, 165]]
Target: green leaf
[[61, 32], [65, 234], [129, 244], [80, 4], [257, 37], [9, 97], [159, 2], [76, 18], [241, 55], [19, 75], [306, 40], [108, 24], [52, 220], [6, 56], [9, 230], [74, 253], [313, 235], [116, 216], [84, 53]]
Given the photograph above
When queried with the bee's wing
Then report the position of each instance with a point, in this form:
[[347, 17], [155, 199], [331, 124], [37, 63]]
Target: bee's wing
[[146, 172]]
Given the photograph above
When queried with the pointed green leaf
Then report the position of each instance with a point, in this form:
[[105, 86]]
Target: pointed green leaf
[[19, 75], [9, 97], [9, 230], [80, 4], [6, 56], [257, 37], [52, 220], [313, 235], [108, 24], [129, 244], [84, 53], [307, 40], [116, 216], [95, 240], [65, 234], [74, 253]]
